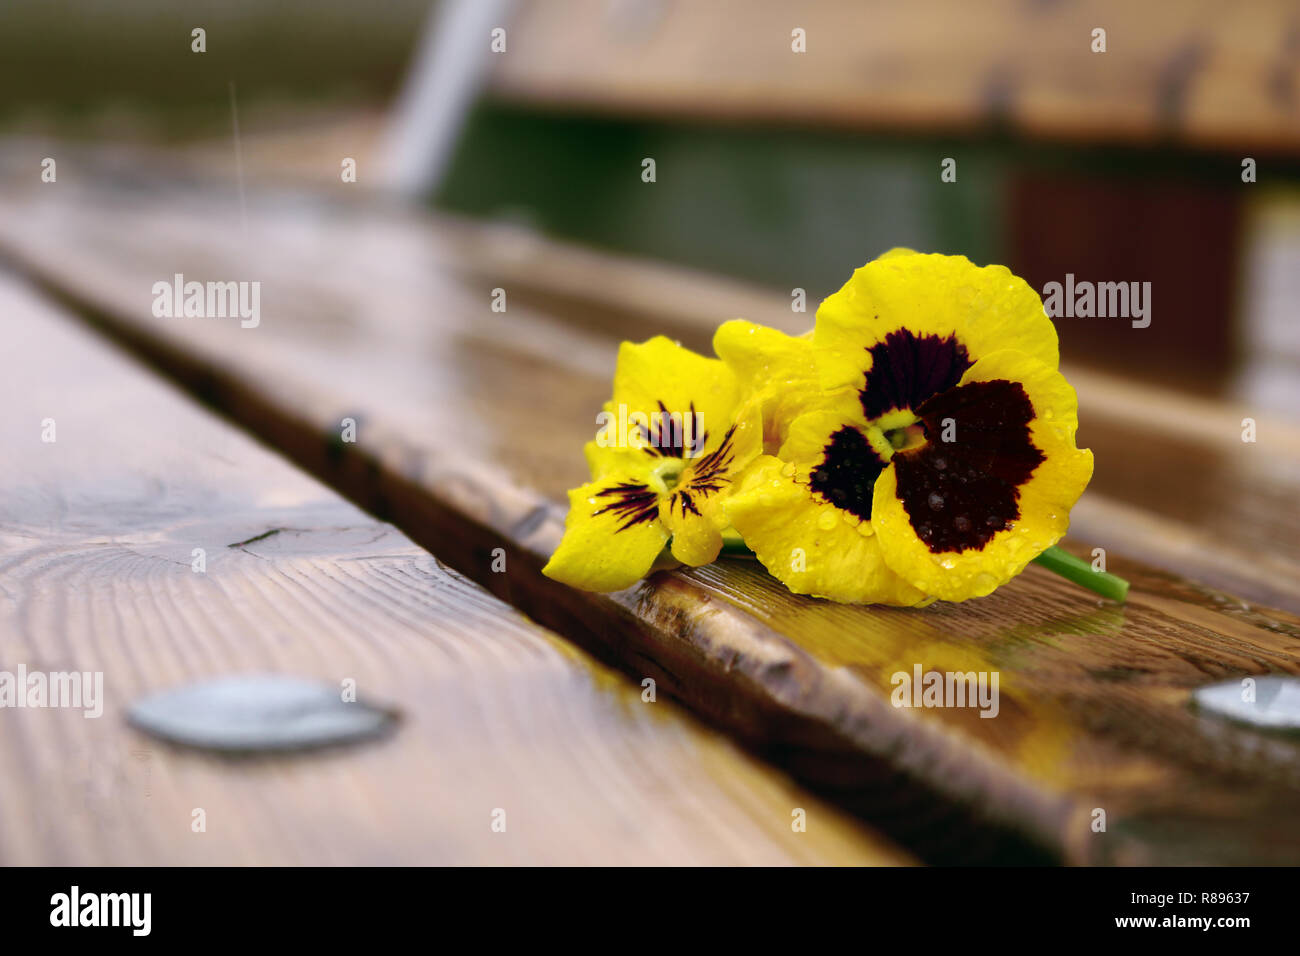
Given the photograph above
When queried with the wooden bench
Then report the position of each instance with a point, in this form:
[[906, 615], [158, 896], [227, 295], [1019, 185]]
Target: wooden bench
[[469, 425], [1201, 75], [98, 531]]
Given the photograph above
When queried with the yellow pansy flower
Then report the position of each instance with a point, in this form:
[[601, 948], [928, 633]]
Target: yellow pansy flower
[[934, 458], [673, 438]]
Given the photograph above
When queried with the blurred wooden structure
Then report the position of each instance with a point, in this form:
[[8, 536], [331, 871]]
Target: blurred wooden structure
[[1196, 73]]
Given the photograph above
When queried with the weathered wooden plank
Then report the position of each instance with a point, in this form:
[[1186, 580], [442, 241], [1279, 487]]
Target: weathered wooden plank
[[1197, 73], [97, 533], [469, 425]]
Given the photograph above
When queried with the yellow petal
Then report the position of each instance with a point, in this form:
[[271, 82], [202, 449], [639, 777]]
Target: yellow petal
[[603, 548], [763, 356], [972, 547], [986, 309], [810, 545], [606, 457], [778, 369], [697, 539]]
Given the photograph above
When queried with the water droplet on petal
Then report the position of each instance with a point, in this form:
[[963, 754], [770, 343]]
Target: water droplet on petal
[[961, 523], [827, 520], [936, 501]]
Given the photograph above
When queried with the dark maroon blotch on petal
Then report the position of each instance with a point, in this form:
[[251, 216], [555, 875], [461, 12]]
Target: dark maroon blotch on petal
[[959, 494], [907, 369], [847, 475]]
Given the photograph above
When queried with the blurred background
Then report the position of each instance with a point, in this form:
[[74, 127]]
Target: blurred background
[[792, 141]]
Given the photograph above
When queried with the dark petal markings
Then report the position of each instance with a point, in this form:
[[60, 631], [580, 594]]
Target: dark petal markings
[[663, 441], [847, 474], [907, 369], [709, 474], [634, 503], [959, 494]]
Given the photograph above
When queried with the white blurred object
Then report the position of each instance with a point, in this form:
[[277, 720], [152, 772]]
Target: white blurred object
[[1270, 374], [449, 68]]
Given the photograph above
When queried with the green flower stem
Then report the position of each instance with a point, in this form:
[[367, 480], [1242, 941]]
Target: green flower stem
[[1057, 560], [1062, 562]]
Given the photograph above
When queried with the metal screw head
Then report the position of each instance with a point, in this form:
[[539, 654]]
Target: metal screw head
[[1267, 702]]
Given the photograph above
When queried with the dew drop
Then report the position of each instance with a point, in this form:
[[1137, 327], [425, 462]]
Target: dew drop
[[961, 523], [939, 464], [827, 520], [936, 501]]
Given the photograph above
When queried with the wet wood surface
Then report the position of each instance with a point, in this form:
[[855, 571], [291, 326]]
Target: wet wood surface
[[1197, 73], [469, 428], [97, 535]]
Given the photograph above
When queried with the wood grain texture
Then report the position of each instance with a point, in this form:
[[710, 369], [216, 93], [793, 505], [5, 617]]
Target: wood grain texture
[[470, 425], [97, 531], [1187, 71]]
